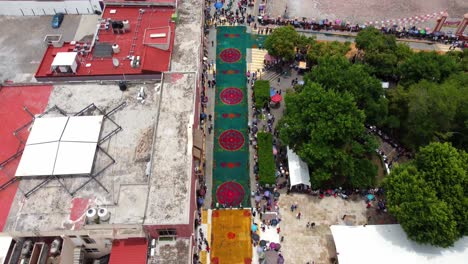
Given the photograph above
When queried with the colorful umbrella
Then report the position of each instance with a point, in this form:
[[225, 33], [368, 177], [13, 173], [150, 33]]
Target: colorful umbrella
[[262, 243], [254, 227], [255, 237], [276, 98], [272, 92], [218, 5]]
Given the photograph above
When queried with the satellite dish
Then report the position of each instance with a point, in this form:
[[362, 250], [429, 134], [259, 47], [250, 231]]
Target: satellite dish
[[116, 62]]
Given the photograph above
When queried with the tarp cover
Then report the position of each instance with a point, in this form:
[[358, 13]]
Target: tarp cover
[[389, 244], [298, 170]]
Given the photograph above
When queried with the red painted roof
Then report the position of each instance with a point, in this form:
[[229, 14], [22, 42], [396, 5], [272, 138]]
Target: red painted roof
[[146, 2], [129, 251], [159, 60], [12, 116]]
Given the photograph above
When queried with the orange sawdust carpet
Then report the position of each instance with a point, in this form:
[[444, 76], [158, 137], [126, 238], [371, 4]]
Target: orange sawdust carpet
[[230, 237]]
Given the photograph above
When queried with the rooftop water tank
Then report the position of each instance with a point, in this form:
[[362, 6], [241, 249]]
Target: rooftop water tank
[[91, 215], [103, 214], [115, 48], [126, 25]]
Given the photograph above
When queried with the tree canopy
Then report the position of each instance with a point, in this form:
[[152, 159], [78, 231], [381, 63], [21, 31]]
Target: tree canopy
[[428, 196], [339, 74], [326, 129], [382, 52], [429, 111], [318, 50], [428, 66], [282, 42]]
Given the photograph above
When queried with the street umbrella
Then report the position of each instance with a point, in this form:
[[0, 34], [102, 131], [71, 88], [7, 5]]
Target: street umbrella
[[218, 5], [272, 245], [277, 246], [275, 151], [274, 222], [267, 194], [263, 243], [370, 197], [200, 201], [260, 249], [276, 194], [272, 92], [276, 98], [254, 227], [280, 259], [255, 129], [258, 198], [268, 57], [255, 237]]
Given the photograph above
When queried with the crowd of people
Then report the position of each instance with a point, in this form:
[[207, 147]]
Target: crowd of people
[[411, 32]]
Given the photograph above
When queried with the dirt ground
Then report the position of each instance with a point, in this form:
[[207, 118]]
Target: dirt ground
[[360, 11], [316, 245]]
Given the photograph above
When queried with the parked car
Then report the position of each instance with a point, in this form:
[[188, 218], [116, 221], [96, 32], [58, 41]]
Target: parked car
[[57, 20]]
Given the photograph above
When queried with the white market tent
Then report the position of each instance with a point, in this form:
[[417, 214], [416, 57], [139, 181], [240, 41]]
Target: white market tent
[[61, 146], [298, 170], [388, 244]]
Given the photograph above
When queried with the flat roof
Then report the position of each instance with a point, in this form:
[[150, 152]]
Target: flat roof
[[132, 250], [60, 146], [389, 244], [131, 43], [12, 116], [142, 2], [172, 169]]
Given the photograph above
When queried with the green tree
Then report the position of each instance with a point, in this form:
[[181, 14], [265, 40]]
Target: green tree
[[339, 74], [381, 52], [262, 93], [428, 196], [323, 49], [428, 66], [266, 161], [282, 42], [326, 129]]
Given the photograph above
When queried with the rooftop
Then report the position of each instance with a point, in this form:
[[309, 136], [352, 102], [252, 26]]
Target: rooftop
[[13, 116], [169, 195], [115, 62], [50, 208], [142, 2], [169, 252]]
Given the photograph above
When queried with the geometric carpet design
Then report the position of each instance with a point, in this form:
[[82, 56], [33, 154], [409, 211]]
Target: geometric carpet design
[[231, 181]]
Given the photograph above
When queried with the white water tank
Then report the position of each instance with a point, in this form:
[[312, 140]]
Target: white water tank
[[92, 215], [103, 214], [115, 48], [126, 25]]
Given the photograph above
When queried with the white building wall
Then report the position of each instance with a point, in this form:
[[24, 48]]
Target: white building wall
[[40, 8]]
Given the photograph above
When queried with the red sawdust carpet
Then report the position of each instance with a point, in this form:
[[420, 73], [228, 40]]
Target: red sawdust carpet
[[13, 116]]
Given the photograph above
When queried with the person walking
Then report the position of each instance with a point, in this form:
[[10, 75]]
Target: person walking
[[210, 117], [212, 43], [298, 216], [308, 225], [312, 225]]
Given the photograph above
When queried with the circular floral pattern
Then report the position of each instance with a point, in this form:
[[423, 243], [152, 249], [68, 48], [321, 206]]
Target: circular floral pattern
[[231, 96], [231, 235], [230, 193], [230, 55], [231, 140]]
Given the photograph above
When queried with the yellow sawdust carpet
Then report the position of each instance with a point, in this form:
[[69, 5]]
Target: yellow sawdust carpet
[[230, 239]]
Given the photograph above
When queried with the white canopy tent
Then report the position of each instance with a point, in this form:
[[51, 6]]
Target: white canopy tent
[[388, 244], [298, 170]]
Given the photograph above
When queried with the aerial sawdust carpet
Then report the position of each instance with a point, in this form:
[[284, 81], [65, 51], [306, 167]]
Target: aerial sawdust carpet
[[231, 242]]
